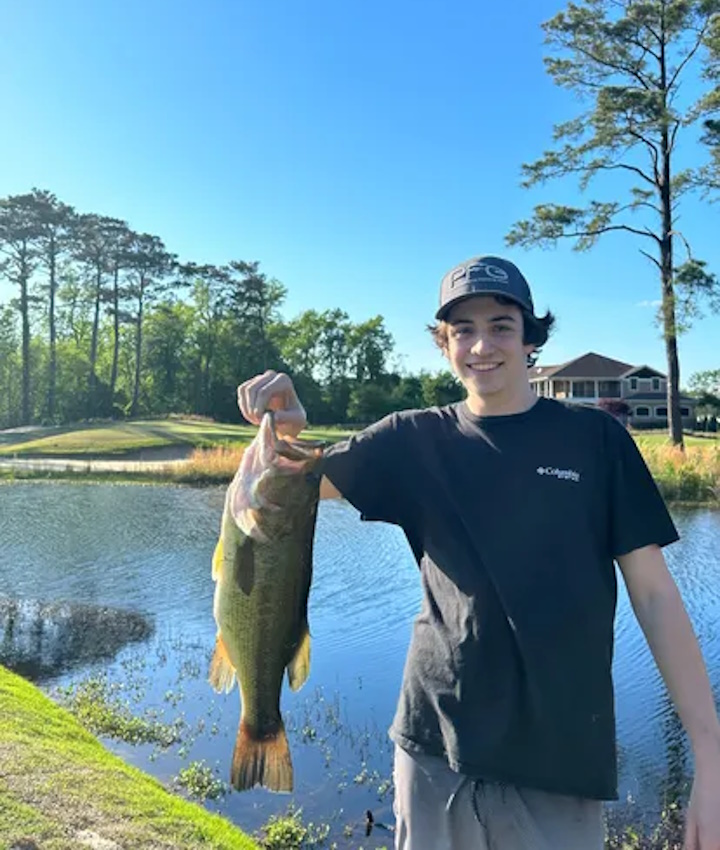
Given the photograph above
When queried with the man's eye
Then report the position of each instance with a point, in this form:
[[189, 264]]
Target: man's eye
[[461, 331], [503, 329]]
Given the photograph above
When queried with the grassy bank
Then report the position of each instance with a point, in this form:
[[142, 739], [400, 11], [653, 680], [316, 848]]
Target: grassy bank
[[60, 789], [119, 439], [130, 439]]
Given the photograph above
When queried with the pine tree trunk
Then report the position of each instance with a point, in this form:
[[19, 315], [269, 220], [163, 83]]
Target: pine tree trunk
[[92, 384], [667, 272], [116, 333], [138, 351], [25, 315], [52, 375], [669, 321]]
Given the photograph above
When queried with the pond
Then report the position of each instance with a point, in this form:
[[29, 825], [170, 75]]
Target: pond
[[148, 549]]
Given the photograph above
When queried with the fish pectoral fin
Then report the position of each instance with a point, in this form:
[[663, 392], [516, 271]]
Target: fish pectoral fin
[[222, 672], [217, 560], [299, 668]]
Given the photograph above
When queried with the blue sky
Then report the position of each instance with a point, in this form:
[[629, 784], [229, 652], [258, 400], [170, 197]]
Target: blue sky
[[358, 150]]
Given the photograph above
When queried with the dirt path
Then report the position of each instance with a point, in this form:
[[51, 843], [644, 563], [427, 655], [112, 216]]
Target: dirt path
[[75, 465]]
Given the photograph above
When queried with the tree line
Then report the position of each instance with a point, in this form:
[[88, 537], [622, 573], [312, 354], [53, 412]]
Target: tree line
[[105, 322]]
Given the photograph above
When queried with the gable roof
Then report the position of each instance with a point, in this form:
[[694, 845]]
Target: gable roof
[[644, 372], [590, 365]]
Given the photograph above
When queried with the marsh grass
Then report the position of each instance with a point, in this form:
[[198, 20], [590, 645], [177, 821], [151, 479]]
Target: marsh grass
[[215, 465], [689, 476]]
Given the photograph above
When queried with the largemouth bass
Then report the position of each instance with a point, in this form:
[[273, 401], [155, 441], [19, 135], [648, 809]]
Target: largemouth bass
[[262, 568]]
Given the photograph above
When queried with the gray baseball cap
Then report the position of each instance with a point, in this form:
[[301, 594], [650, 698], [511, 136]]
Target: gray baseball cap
[[484, 275]]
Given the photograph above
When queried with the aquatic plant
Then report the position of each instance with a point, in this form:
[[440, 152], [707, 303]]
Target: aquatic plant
[[625, 832], [200, 781], [288, 832], [97, 705]]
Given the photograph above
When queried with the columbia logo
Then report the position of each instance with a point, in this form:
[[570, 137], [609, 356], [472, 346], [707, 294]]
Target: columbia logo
[[563, 474]]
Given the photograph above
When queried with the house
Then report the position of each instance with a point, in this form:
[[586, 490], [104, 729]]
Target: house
[[592, 377]]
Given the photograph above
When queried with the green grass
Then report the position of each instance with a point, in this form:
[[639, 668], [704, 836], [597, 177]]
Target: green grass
[[661, 438], [59, 784], [115, 439]]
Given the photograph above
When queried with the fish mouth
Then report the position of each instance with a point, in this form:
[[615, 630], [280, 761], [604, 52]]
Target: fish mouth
[[293, 448]]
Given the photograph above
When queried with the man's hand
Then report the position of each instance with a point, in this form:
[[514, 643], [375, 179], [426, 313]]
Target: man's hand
[[669, 632], [702, 830], [272, 391]]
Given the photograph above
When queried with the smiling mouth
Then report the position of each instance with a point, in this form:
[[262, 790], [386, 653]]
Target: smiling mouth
[[483, 367]]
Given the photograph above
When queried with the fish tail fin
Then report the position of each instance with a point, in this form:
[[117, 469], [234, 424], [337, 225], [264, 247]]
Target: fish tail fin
[[222, 672], [261, 760], [299, 668]]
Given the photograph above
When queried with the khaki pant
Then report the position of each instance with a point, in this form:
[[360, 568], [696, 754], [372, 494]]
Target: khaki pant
[[438, 809]]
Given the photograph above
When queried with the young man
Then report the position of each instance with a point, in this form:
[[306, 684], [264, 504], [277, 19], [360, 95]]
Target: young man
[[516, 508]]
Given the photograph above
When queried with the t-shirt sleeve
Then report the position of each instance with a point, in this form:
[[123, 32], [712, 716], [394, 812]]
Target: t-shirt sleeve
[[369, 470], [638, 514]]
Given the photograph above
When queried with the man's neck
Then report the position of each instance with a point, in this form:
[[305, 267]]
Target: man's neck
[[491, 405]]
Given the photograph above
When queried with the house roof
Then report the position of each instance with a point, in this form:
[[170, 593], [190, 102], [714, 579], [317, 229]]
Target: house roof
[[590, 365], [643, 372]]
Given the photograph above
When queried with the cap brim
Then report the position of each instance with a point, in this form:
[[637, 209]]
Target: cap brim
[[443, 311]]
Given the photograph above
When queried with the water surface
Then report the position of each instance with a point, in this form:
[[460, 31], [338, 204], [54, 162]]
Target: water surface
[[149, 549]]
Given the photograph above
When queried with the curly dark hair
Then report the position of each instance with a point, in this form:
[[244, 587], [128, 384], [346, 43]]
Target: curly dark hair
[[536, 329]]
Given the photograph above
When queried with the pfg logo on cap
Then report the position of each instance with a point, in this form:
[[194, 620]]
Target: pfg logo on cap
[[480, 273]]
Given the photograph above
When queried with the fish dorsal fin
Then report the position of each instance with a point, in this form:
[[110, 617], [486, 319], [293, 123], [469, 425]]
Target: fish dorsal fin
[[299, 668]]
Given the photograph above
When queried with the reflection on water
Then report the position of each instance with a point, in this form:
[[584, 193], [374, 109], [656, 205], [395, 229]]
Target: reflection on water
[[40, 640], [149, 549]]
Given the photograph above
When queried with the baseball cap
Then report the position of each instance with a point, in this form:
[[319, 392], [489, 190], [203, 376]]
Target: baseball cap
[[484, 275]]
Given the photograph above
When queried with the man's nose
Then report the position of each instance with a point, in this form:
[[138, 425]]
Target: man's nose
[[482, 345]]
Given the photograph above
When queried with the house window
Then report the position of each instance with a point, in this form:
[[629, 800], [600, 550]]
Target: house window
[[684, 412], [583, 389], [642, 411], [561, 388], [609, 389], [661, 411], [656, 385], [633, 384]]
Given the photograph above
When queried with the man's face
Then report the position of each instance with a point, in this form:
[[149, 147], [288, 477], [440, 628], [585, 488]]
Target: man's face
[[485, 348]]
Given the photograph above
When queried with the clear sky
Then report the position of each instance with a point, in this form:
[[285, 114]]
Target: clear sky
[[357, 148]]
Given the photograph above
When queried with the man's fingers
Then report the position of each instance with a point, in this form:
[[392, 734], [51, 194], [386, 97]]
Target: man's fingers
[[242, 402], [272, 391], [275, 392], [248, 401], [692, 838]]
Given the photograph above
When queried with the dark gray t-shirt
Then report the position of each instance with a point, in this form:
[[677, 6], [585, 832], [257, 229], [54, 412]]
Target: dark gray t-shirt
[[515, 522]]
